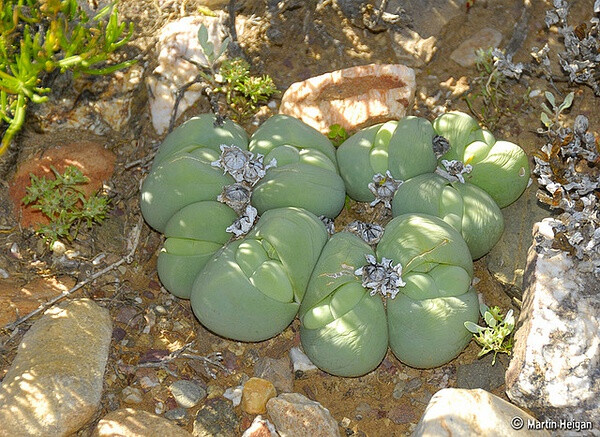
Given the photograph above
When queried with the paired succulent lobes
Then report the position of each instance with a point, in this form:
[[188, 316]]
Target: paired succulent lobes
[[464, 206], [501, 168], [403, 147], [252, 289], [210, 181]]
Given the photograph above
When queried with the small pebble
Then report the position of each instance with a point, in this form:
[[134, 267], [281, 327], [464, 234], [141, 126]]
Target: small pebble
[[413, 384], [256, 393], [159, 408], [187, 393], [98, 259], [138, 300], [160, 309], [15, 252], [234, 394], [179, 415], [214, 391], [147, 383], [4, 274], [345, 422], [399, 389], [300, 361], [58, 248], [122, 269], [132, 395]]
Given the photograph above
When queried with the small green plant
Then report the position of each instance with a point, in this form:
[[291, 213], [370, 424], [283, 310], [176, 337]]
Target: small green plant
[[62, 201], [490, 101], [549, 117], [243, 93], [496, 337], [38, 37], [337, 134]]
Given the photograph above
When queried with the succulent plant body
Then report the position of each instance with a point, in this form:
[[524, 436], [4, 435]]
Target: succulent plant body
[[500, 168], [248, 222], [464, 206], [404, 148]]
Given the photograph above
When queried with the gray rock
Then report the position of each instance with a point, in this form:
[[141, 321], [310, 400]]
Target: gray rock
[[413, 384], [177, 42], [506, 261], [399, 389], [179, 415], [476, 413], [187, 393], [132, 395], [216, 418], [136, 423], [278, 371], [295, 415], [555, 369], [481, 373], [54, 384], [300, 361], [465, 54]]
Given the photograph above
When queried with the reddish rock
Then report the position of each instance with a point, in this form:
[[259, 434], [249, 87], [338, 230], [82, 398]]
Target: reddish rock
[[353, 97], [260, 428], [91, 158], [18, 300]]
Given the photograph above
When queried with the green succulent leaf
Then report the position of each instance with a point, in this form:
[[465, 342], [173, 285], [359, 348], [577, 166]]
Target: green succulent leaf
[[344, 329], [252, 289]]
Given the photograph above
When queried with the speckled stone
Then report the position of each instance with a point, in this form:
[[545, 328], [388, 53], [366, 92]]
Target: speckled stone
[[278, 371], [137, 423], [256, 393], [354, 97], [295, 415], [260, 428], [178, 41], [187, 393], [554, 370], [460, 412], [216, 418], [54, 384]]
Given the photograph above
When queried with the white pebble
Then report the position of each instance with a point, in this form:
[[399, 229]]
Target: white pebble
[[234, 394], [300, 360]]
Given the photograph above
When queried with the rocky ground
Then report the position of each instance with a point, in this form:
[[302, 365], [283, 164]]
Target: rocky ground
[[156, 345]]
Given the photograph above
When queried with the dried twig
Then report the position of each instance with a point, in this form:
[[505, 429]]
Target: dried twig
[[214, 359], [132, 244]]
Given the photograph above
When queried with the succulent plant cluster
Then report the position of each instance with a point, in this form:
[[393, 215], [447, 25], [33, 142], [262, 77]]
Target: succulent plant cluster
[[358, 291]]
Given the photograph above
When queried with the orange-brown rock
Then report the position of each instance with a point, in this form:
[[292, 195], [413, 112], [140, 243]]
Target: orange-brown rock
[[353, 97], [19, 300], [256, 393], [91, 158]]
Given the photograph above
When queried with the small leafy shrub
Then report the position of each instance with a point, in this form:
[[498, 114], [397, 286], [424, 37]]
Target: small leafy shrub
[[244, 93], [496, 337], [337, 134], [38, 37], [61, 200], [491, 101], [549, 117]]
